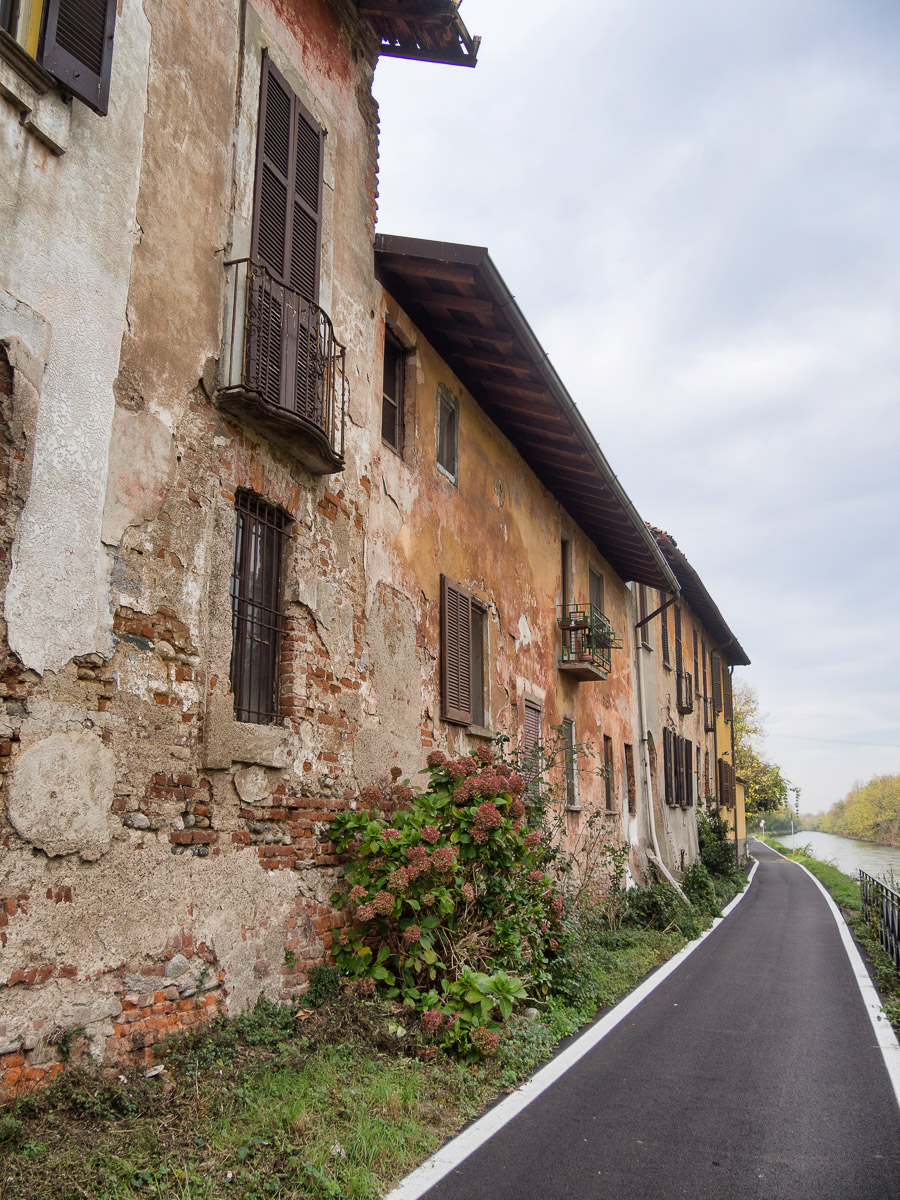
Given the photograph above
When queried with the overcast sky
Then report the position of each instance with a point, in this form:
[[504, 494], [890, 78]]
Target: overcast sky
[[697, 207]]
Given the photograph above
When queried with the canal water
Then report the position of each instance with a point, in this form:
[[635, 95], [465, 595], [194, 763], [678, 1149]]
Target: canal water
[[847, 854]]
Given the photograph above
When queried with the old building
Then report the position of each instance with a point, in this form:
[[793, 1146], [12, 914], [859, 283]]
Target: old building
[[285, 505], [187, 339], [685, 658]]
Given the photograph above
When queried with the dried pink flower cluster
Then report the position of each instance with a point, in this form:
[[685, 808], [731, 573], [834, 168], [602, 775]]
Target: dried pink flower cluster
[[382, 903], [411, 934], [554, 945], [533, 839], [536, 876], [516, 785], [365, 912], [556, 906], [503, 769], [490, 784], [390, 834], [517, 809], [357, 893], [431, 834], [398, 881], [370, 795], [488, 816], [456, 770], [428, 899], [436, 758], [418, 861], [485, 1040], [443, 859], [402, 793], [432, 1020], [468, 892], [485, 755]]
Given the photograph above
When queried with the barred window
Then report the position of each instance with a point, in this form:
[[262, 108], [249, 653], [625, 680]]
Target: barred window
[[256, 617]]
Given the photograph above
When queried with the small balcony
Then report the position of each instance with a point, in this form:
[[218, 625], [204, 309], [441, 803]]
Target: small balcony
[[685, 692], [587, 642], [283, 370]]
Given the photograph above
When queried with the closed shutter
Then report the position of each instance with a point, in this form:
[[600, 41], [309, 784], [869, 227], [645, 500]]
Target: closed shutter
[[688, 754], [716, 668], [679, 771], [77, 48], [669, 764], [664, 629], [531, 765], [728, 699], [679, 653], [456, 653], [284, 330]]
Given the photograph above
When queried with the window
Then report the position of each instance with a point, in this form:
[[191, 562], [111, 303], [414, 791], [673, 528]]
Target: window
[[595, 589], [568, 730], [284, 340], [479, 662], [716, 667], [71, 39], [707, 790], [630, 780], [678, 766], [531, 767], [447, 431], [727, 696], [726, 784], [664, 630], [256, 618], [696, 660], [392, 392], [609, 774], [643, 612]]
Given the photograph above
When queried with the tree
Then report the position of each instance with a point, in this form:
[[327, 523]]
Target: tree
[[766, 789]]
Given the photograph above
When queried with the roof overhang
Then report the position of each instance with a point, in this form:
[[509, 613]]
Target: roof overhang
[[427, 30], [457, 297], [701, 602]]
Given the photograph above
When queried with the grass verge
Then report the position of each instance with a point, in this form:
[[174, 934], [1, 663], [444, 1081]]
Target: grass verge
[[845, 892], [301, 1103]]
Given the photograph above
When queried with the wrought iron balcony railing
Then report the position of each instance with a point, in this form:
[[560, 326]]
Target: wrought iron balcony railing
[[587, 641], [283, 370]]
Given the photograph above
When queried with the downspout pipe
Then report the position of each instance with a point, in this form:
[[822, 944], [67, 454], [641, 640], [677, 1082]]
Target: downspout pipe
[[656, 858]]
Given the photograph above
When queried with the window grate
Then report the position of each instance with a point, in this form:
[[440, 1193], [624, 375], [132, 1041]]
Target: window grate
[[256, 617]]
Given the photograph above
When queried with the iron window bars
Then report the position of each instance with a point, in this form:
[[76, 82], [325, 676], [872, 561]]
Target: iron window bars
[[256, 620]]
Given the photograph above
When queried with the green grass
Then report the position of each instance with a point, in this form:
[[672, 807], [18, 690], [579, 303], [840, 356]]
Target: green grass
[[340, 1101]]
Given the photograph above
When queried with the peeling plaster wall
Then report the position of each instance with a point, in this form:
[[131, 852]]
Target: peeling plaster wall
[[67, 223]]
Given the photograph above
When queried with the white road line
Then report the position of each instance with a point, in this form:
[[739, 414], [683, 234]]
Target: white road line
[[884, 1033], [449, 1157]]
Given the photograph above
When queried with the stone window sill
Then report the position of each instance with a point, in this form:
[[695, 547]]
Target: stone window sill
[[479, 731], [35, 95]]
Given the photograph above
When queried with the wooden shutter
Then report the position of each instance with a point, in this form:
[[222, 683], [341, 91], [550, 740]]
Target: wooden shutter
[[284, 335], [664, 628], [716, 668], [669, 771], [728, 699], [679, 653], [688, 755], [456, 653], [77, 48], [532, 762]]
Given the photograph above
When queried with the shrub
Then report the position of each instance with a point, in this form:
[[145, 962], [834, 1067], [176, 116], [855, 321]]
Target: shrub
[[717, 850], [699, 888], [660, 907], [453, 908]]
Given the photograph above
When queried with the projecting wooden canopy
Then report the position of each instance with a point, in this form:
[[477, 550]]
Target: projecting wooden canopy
[[458, 299], [428, 30]]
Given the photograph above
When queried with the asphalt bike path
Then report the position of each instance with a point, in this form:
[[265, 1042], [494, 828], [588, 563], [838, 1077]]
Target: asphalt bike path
[[751, 1071]]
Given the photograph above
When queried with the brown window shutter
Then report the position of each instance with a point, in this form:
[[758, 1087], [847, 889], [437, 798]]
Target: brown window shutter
[[669, 764], [716, 668], [728, 699], [288, 195], [679, 653], [456, 653], [77, 48], [688, 774], [531, 764], [664, 629]]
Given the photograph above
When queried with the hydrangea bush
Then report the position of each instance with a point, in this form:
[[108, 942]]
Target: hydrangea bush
[[452, 908]]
